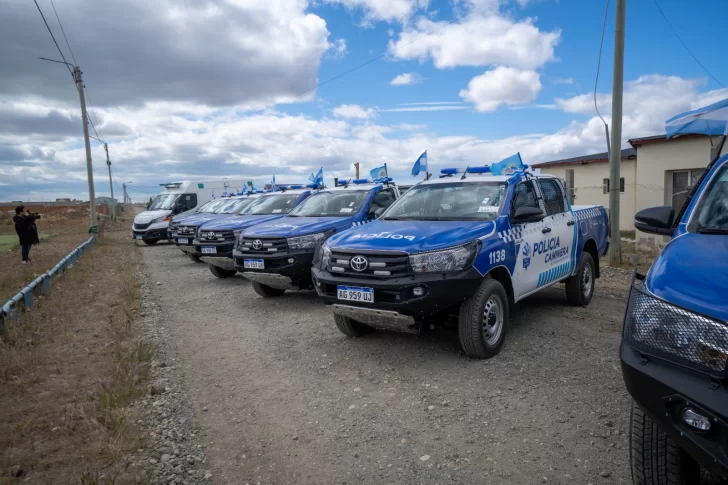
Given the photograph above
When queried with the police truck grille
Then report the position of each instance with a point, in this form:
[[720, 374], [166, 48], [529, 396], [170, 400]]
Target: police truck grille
[[262, 245], [142, 226], [369, 264], [186, 230]]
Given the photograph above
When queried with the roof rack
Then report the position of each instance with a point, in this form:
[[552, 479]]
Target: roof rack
[[449, 172], [382, 180]]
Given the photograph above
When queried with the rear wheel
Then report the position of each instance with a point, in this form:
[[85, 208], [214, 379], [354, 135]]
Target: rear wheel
[[483, 320], [151, 242], [194, 257], [580, 287], [654, 458], [267, 291], [350, 327], [221, 272]]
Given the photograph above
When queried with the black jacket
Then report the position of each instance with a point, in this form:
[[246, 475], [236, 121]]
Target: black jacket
[[26, 229]]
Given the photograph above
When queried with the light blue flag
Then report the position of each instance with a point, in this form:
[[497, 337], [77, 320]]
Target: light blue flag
[[709, 120], [420, 164], [274, 182], [379, 172], [508, 165], [317, 178]]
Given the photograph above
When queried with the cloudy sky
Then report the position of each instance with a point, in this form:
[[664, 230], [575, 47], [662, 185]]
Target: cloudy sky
[[200, 89]]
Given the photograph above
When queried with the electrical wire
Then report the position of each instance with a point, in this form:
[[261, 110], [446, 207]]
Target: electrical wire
[[52, 36], [685, 45], [599, 62], [64, 33]]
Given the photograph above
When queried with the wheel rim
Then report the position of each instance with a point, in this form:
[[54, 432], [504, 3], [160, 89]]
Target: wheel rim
[[492, 320], [586, 281]]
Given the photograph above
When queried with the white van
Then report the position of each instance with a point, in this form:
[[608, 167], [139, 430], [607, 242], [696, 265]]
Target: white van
[[151, 225]]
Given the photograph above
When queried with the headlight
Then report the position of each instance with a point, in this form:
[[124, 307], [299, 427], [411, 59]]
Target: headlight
[[454, 259], [309, 241], [675, 334], [325, 256], [158, 219]]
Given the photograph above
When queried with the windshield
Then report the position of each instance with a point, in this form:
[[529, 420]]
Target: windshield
[[238, 205], [217, 206], [272, 204], [712, 212], [203, 207], [340, 203], [457, 201], [163, 202]]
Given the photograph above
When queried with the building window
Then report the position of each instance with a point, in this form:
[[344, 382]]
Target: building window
[[683, 182], [605, 186]]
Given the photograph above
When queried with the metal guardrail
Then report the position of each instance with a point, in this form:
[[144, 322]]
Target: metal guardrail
[[41, 284]]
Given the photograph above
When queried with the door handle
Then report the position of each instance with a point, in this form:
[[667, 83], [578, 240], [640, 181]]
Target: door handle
[[570, 223], [545, 230]]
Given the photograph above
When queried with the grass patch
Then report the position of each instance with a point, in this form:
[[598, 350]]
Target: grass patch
[[10, 242], [69, 370]]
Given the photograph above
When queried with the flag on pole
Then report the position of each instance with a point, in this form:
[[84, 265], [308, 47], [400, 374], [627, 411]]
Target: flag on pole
[[508, 165], [709, 120], [273, 182], [318, 177], [420, 164], [379, 172]]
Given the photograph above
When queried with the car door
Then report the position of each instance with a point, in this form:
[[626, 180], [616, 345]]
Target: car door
[[526, 270], [555, 249]]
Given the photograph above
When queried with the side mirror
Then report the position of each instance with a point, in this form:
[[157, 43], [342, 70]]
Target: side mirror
[[378, 213], [528, 214], [656, 220]]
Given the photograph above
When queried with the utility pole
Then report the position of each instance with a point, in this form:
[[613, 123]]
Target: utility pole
[[89, 167], [123, 186], [356, 165], [615, 153], [111, 184]]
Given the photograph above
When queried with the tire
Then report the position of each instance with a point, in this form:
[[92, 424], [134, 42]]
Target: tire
[[193, 257], [266, 291], [654, 458], [578, 292], [221, 272], [476, 339], [151, 242], [350, 327]]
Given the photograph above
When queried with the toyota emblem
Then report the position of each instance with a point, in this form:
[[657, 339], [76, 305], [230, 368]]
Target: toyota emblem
[[359, 263], [211, 235], [257, 244]]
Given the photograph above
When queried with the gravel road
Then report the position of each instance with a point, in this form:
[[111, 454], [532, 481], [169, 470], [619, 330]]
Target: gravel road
[[281, 396]]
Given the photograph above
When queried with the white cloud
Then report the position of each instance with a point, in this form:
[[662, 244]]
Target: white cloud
[[412, 109], [478, 40], [502, 85], [353, 111], [337, 49], [564, 80], [383, 10], [406, 79]]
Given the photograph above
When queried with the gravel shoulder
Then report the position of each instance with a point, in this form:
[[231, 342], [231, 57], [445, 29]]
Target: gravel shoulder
[[280, 396]]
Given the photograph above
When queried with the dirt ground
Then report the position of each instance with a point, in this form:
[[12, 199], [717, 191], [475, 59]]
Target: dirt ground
[[283, 397], [70, 367]]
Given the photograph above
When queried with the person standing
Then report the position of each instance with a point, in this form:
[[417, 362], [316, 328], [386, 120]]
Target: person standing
[[27, 231]]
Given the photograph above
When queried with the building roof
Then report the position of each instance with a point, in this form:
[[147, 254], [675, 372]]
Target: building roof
[[627, 154], [635, 142]]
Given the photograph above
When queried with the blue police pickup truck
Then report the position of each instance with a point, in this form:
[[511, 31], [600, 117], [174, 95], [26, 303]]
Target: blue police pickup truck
[[674, 349], [185, 229], [277, 256], [214, 240], [468, 244]]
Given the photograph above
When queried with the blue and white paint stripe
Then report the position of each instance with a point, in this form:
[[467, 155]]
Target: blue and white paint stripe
[[587, 213], [360, 223], [554, 274]]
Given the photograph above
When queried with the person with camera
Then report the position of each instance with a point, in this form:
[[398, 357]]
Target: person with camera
[[27, 230]]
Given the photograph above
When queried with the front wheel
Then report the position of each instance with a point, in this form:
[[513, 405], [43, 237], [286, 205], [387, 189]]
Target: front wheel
[[194, 257], [483, 320], [267, 291], [654, 458], [221, 272], [350, 327], [580, 287], [151, 242]]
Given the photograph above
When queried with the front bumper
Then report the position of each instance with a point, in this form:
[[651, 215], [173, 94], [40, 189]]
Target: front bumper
[[441, 291], [665, 388], [149, 234], [291, 269], [222, 249]]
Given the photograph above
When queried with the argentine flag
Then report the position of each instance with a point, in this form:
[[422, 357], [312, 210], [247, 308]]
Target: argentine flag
[[420, 164], [508, 165], [379, 172], [318, 178]]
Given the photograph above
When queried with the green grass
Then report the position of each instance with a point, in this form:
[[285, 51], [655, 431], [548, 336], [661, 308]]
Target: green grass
[[9, 242]]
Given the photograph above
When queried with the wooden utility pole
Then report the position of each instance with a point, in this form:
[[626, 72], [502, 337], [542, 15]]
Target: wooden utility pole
[[615, 153], [89, 166], [356, 165], [111, 184]]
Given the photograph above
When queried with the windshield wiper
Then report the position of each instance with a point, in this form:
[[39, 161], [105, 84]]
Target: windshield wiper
[[713, 230], [391, 219]]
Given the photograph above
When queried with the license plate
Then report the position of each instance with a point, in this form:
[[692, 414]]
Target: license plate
[[209, 250], [253, 264], [137, 237], [355, 293], [183, 240]]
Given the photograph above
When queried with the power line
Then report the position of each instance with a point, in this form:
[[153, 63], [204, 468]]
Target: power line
[[92, 109], [52, 36], [599, 62], [685, 45], [64, 33]]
